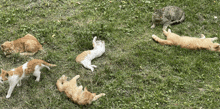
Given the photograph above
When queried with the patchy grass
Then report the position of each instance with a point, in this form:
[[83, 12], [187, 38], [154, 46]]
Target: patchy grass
[[134, 72]]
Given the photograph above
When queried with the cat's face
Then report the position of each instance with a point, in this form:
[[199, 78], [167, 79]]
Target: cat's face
[[100, 43], [7, 48], [3, 76], [158, 15]]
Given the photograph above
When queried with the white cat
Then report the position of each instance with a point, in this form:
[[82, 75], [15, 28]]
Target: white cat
[[86, 57], [15, 75]]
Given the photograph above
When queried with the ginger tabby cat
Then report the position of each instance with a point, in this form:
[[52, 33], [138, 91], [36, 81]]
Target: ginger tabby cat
[[192, 43], [76, 93], [15, 75], [27, 45]]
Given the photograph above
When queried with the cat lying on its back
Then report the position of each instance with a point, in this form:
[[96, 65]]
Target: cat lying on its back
[[86, 57], [27, 45], [167, 16], [15, 75], [192, 43], [76, 93]]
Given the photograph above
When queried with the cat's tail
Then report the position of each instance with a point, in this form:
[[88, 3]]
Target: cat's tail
[[48, 64]]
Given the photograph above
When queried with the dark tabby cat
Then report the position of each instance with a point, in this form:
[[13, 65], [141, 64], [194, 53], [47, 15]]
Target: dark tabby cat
[[167, 16]]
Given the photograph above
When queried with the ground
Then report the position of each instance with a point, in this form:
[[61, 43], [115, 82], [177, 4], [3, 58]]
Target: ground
[[134, 72]]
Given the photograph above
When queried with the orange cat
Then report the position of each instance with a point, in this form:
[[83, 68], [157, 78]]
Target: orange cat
[[76, 93], [192, 43], [15, 76], [27, 45], [86, 57]]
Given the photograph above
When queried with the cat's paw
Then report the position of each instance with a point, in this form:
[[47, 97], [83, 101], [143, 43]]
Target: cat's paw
[[92, 69], [18, 85], [152, 27], [77, 76], [8, 96], [94, 66], [154, 36], [103, 94], [37, 80]]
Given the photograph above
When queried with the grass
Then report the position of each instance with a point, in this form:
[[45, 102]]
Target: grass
[[134, 72]]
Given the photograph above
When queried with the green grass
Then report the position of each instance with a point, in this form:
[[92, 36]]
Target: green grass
[[134, 72]]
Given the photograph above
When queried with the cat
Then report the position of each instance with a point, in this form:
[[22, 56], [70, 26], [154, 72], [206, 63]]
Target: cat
[[167, 16], [76, 93], [15, 75], [192, 43], [86, 57], [27, 45]]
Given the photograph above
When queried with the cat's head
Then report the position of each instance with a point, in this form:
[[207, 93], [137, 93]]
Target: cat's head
[[89, 96], [158, 15], [7, 47], [3, 76], [99, 43]]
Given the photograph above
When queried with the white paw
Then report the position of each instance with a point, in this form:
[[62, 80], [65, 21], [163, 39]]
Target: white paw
[[154, 36], [92, 69], [37, 80], [103, 94], [153, 26], [8, 96], [169, 30], [77, 76], [94, 66], [18, 85]]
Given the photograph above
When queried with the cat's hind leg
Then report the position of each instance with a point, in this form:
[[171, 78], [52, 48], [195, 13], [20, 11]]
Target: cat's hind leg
[[212, 39], [87, 64], [161, 41], [98, 96], [94, 66], [37, 74], [19, 83]]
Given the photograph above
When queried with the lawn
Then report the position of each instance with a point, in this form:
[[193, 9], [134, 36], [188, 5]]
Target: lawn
[[134, 72]]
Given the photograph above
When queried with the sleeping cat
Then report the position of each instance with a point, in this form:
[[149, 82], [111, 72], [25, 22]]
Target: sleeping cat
[[86, 57], [167, 16], [15, 75], [76, 93], [27, 45], [192, 43]]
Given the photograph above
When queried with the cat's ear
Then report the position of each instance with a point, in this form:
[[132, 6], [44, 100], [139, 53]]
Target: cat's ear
[[2, 46], [2, 70], [85, 89]]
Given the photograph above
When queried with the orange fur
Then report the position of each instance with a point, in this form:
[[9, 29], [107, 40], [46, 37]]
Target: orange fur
[[19, 70], [15, 75], [82, 56], [27, 45], [188, 42], [76, 93]]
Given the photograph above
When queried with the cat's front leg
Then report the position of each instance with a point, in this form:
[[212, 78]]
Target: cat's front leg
[[153, 26], [166, 25], [11, 88]]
